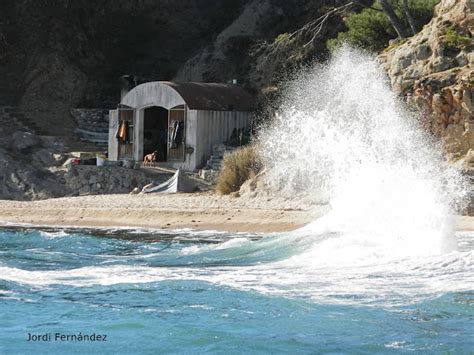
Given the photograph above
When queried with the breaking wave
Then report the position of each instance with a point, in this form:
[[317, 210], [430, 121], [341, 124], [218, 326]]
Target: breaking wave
[[343, 137]]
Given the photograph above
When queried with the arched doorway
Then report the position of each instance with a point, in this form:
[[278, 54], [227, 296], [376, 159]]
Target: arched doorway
[[155, 132]]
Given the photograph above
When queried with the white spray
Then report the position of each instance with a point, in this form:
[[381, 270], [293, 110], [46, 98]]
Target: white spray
[[343, 137]]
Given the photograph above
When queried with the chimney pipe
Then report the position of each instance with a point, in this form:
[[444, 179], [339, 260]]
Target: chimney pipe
[[127, 83]]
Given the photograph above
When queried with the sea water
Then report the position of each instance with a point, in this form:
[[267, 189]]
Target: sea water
[[195, 292], [383, 271]]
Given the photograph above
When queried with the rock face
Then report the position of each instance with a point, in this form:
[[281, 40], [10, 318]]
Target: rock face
[[83, 179], [36, 167], [77, 58], [256, 48], [22, 141], [53, 86], [27, 164], [434, 70], [60, 54]]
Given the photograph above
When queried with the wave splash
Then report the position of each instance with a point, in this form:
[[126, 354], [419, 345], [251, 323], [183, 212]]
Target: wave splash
[[341, 137], [323, 279], [344, 138], [319, 268]]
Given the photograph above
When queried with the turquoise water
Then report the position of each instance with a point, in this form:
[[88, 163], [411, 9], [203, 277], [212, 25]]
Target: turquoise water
[[197, 292]]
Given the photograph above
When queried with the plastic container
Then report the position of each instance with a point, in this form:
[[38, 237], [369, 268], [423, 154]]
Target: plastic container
[[100, 160]]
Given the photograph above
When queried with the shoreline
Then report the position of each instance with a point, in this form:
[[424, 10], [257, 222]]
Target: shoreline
[[220, 220], [202, 211]]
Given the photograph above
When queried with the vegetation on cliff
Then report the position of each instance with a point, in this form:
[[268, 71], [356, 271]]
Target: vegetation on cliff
[[433, 71], [372, 29]]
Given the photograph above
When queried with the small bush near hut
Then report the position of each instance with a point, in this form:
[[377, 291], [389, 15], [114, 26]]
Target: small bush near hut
[[238, 167]]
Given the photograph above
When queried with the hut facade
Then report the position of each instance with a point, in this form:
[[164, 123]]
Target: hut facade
[[179, 121]]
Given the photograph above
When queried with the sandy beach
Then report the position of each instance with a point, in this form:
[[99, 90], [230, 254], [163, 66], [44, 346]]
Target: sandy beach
[[202, 211]]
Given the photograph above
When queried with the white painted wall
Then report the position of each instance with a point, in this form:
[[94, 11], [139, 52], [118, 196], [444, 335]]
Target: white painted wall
[[191, 139], [215, 127], [113, 142]]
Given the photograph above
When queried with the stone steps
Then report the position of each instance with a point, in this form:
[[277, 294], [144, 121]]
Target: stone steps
[[99, 144], [93, 126], [94, 135], [62, 137], [218, 153]]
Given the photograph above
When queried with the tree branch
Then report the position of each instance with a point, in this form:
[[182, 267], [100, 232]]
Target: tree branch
[[393, 18], [316, 26], [411, 21]]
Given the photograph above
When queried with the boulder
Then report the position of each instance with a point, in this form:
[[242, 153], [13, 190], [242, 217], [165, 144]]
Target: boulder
[[22, 140]]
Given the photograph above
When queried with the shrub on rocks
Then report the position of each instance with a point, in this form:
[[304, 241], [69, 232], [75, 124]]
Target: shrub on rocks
[[237, 168]]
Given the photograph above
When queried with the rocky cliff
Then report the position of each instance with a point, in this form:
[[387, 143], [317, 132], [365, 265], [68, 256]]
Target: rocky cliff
[[263, 42], [434, 70], [59, 54]]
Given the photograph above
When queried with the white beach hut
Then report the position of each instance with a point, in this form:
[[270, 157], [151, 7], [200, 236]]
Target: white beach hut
[[179, 121]]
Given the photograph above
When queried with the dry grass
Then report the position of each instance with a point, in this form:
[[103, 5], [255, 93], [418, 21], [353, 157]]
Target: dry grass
[[238, 167]]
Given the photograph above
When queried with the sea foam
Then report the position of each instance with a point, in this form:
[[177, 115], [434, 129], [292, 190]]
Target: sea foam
[[343, 137]]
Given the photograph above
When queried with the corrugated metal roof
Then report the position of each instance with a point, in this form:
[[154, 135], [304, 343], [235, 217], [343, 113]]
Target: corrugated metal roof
[[213, 97]]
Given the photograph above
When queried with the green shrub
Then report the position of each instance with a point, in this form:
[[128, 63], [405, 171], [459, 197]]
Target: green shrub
[[283, 38], [456, 41], [237, 168], [370, 29]]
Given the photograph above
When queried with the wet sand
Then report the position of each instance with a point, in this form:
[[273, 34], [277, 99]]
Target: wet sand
[[201, 211]]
